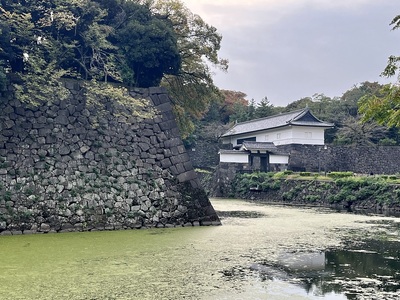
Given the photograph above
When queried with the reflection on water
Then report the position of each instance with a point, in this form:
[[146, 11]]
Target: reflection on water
[[260, 252], [375, 264]]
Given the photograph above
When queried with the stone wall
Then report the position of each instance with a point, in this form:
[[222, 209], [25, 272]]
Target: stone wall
[[322, 194], [70, 166], [359, 159], [221, 183], [204, 154]]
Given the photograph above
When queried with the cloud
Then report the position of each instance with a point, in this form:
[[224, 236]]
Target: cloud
[[278, 3], [289, 49], [231, 15]]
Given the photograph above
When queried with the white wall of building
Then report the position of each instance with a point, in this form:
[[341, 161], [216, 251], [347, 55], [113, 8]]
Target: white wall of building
[[280, 136], [308, 135], [287, 135], [240, 157], [278, 159]]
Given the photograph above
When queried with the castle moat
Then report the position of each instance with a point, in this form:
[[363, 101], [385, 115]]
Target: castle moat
[[260, 252]]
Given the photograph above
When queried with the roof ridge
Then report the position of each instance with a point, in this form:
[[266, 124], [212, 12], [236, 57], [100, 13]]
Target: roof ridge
[[301, 114], [273, 116], [279, 120]]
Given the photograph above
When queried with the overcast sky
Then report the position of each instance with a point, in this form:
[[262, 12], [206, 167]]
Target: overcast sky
[[289, 49]]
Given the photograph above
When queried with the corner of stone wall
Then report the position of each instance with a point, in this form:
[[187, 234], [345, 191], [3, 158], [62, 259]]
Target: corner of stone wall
[[63, 167]]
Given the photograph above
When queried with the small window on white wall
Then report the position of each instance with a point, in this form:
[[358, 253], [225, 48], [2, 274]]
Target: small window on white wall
[[308, 135], [278, 136]]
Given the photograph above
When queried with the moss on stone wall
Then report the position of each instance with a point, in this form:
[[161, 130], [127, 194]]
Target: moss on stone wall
[[70, 165]]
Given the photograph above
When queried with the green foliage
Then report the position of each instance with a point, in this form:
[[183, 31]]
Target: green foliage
[[340, 174], [292, 193], [192, 88], [260, 180], [240, 113], [362, 188], [279, 175], [384, 107], [344, 189], [264, 109], [148, 43], [43, 84], [387, 142], [393, 61], [311, 198], [118, 40], [275, 185], [101, 95], [24, 216], [306, 174], [355, 132]]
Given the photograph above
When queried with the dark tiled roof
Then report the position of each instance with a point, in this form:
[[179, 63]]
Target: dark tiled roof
[[255, 146], [224, 151], [302, 117], [262, 146], [259, 146]]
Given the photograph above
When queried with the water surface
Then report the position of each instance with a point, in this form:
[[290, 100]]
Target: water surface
[[260, 252]]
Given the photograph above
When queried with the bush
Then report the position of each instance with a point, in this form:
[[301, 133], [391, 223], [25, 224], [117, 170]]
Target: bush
[[275, 185], [280, 175], [349, 183], [312, 198], [384, 197], [387, 142], [364, 193], [265, 186], [291, 195], [305, 173], [340, 174], [288, 196]]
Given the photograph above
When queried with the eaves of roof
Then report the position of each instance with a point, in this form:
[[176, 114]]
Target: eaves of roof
[[277, 121]]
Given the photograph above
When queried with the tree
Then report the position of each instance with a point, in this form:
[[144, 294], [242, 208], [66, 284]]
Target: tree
[[264, 108], [233, 102], [145, 40], [355, 132], [350, 99], [91, 39], [42, 42], [384, 107], [192, 89], [133, 42], [222, 110], [30, 51]]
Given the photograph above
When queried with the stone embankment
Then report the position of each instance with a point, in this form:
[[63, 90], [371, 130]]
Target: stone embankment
[[70, 166], [373, 193], [373, 198]]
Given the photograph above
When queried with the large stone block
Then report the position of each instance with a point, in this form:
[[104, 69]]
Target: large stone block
[[187, 176], [167, 125], [85, 170]]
